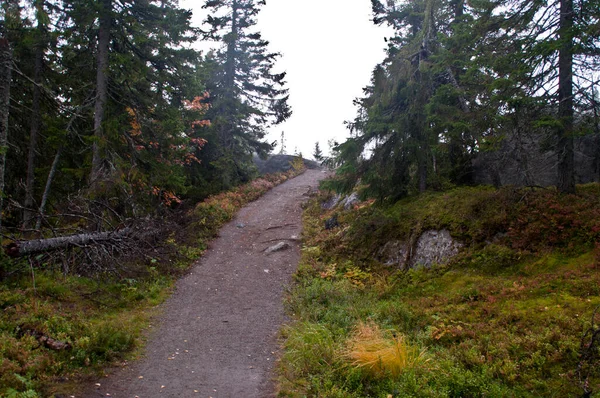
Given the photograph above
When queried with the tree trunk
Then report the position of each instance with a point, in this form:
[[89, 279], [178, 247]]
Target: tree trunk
[[231, 53], [36, 121], [229, 83], [566, 162], [5, 79], [422, 171], [42, 209], [101, 90], [18, 249], [423, 96]]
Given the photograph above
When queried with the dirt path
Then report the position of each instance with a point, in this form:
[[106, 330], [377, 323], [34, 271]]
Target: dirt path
[[217, 335]]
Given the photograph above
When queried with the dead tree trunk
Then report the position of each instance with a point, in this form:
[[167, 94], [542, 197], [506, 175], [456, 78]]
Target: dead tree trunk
[[42, 208], [24, 248]]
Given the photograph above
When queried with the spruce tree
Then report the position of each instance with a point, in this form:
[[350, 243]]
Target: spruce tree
[[247, 95], [142, 73], [317, 153], [557, 64]]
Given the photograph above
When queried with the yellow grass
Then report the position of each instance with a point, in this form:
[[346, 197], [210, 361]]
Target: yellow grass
[[380, 353]]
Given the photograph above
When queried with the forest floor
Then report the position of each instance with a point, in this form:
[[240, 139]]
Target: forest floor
[[217, 335]]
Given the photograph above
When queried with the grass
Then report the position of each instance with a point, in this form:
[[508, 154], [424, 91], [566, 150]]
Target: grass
[[503, 319], [104, 317], [381, 354]]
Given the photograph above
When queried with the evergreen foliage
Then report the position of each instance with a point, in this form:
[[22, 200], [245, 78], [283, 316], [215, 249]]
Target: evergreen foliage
[[317, 153], [458, 79], [246, 94], [109, 103]]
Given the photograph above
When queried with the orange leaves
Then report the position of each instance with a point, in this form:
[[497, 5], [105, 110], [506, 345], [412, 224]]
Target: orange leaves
[[198, 103], [167, 197], [136, 128], [201, 123], [198, 142]]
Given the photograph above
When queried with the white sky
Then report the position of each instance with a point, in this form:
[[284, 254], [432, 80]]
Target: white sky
[[329, 49]]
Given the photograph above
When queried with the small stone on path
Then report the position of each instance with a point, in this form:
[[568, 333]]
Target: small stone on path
[[278, 247]]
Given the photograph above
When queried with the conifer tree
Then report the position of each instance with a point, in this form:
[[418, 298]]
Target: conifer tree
[[247, 95], [142, 74], [317, 153]]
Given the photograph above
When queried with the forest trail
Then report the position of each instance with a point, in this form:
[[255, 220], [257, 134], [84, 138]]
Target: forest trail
[[217, 336]]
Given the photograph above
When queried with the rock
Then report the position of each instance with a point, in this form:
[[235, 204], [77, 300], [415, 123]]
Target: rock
[[434, 247], [277, 248], [350, 201], [332, 202], [394, 253], [331, 223]]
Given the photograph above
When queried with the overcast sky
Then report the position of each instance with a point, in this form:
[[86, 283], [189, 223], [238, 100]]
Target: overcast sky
[[329, 48]]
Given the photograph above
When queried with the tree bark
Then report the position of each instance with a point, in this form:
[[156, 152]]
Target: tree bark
[[565, 148], [24, 248], [101, 90], [36, 122], [42, 208], [5, 80], [229, 81], [421, 128]]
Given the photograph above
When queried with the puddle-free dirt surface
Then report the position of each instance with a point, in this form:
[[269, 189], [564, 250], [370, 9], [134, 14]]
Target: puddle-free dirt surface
[[217, 336]]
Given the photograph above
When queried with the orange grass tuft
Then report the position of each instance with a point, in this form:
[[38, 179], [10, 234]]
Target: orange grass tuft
[[380, 353]]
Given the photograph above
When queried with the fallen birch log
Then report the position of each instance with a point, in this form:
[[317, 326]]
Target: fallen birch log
[[24, 248]]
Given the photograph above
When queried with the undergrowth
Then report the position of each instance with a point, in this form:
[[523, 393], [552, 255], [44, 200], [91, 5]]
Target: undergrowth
[[101, 318], [505, 318]]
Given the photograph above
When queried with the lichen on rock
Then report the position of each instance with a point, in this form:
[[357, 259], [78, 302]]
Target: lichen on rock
[[434, 247]]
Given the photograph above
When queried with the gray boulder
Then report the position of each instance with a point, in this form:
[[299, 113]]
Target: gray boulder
[[432, 247], [350, 201], [331, 203], [435, 247]]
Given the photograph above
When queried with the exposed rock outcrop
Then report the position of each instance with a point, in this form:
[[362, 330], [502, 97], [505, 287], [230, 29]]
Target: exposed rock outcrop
[[432, 247], [332, 202], [350, 201]]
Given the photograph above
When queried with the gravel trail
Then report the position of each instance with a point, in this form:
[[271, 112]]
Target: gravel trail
[[217, 336]]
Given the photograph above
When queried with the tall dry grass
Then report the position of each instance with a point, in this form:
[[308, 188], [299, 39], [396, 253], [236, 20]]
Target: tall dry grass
[[380, 353]]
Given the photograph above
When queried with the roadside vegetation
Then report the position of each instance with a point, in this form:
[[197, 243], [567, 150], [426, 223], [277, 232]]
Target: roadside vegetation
[[511, 315], [59, 329]]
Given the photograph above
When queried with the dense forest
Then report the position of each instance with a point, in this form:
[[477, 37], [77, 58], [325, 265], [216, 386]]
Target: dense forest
[[462, 80], [109, 113]]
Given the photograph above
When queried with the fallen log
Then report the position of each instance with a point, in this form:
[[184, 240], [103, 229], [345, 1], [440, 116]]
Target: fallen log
[[24, 248], [43, 339]]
